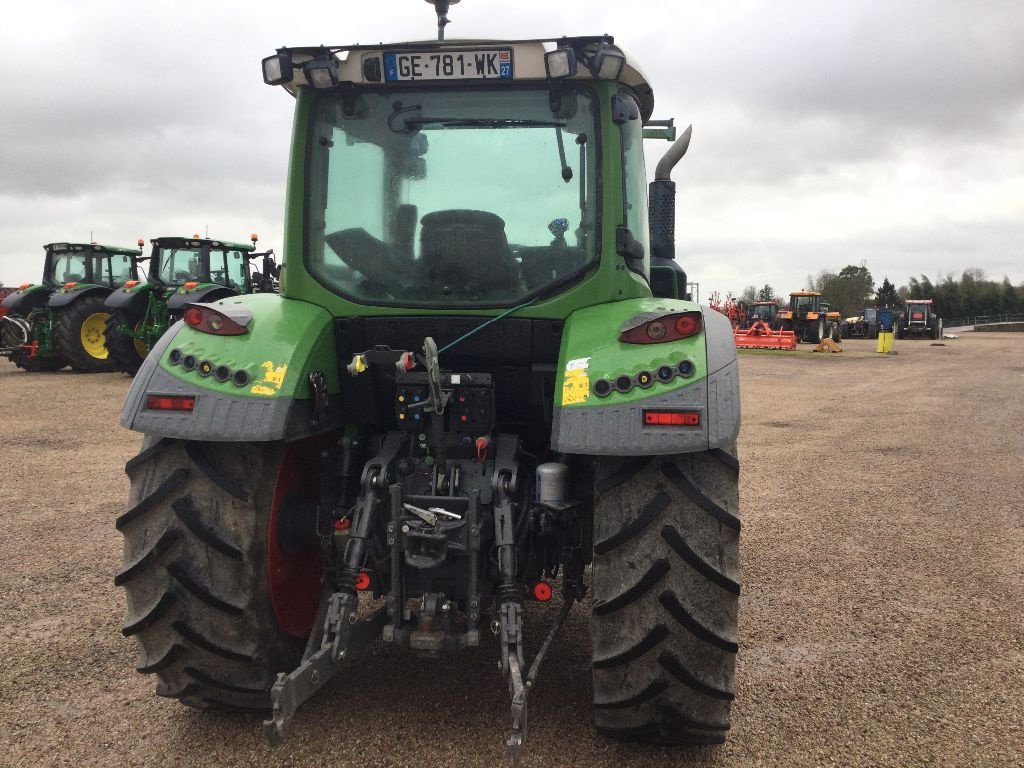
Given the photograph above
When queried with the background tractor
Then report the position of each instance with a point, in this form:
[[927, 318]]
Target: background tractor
[[181, 270], [762, 312], [466, 393], [919, 321], [61, 320], [805, 317], [864, 325]]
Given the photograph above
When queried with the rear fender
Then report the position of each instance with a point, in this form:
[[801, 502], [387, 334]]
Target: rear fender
[[698, 375], [67, 296], [24, 300], [266, 393], [201, 293], [133, 300]]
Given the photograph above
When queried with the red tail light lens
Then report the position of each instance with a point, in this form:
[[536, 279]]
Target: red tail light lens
[[645, 329], [170, 403], [209, 320], [672, 418]]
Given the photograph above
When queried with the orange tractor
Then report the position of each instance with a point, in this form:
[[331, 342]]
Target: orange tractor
[[808, 318]]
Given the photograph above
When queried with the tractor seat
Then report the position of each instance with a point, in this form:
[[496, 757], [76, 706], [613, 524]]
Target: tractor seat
[[70, 277], [467, 251]]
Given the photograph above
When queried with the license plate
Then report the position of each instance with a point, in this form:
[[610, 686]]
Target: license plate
[[490, 64]]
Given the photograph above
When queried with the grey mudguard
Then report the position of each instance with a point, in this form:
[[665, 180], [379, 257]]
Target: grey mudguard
[[216, 417], [619, 430]]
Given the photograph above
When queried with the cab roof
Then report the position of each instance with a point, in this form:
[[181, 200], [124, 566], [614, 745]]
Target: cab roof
[[197, 242], [365, 65], [111, 249]]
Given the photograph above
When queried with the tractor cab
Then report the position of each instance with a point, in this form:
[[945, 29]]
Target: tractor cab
[[917, 312], [764, 311], [88, 264], [803, 303], [177, 261]]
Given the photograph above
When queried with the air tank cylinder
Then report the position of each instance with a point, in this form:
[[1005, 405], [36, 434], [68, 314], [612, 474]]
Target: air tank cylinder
[[552, 479]]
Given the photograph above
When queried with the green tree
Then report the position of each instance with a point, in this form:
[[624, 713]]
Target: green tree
[[850, 290], [1009, 301], [887, 295], [767, 293]]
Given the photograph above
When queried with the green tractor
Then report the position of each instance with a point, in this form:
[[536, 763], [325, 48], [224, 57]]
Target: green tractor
[[465, 395], [181, 271], [61, 321]]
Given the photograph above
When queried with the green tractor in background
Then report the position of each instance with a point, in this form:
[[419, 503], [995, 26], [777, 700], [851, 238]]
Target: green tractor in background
[[61, 321], [181, 271], [466, 394]]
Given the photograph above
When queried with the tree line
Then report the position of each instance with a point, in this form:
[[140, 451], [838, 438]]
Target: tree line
[[853, 288]]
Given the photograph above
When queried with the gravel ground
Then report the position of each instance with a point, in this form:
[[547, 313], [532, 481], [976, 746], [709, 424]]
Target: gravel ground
[[881, 615]]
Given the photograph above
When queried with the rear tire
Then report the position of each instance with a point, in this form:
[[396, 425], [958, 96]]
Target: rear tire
[[666, 596], [78, 335], [204, 562], [126, 352]]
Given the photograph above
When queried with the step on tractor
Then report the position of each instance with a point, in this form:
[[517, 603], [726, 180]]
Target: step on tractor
[[919, 321], [60, 321], [181, 271], [466, 401], [805, 317]]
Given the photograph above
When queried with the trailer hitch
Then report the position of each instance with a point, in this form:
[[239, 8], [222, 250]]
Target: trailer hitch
[[340, 637], [341, 632], [520, 688]]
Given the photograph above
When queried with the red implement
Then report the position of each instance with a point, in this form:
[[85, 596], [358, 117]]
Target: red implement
[[760, 336]]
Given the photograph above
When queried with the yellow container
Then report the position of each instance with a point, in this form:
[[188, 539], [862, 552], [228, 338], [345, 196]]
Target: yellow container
[[885, 341]]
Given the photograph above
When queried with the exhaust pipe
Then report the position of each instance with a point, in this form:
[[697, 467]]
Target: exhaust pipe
[[662, 199]]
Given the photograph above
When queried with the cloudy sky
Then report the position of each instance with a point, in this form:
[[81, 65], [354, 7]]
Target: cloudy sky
[[825, 133]]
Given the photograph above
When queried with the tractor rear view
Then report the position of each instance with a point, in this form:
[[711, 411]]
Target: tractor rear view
[[919, 321], [466, 394], [61, 320], [181, 271]]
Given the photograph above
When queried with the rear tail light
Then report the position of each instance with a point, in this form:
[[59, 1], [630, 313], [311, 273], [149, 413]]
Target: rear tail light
[[170, 402], [209, 320], [668, 418], [647, 330]]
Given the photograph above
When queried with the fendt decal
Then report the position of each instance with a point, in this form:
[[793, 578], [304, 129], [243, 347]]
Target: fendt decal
[[273, 378]]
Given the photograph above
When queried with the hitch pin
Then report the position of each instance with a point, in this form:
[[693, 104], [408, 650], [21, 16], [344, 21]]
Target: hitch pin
[[444, 513], [425, 515]]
